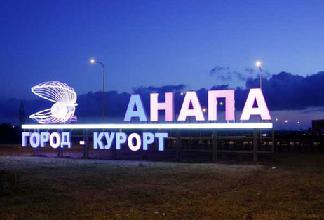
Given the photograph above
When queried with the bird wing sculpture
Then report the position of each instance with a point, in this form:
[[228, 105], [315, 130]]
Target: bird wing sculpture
[[64, 99]]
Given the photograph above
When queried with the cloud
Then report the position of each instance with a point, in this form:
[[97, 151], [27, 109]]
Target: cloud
[[167, 88], [283, 91], [221, 72], [228, 75]]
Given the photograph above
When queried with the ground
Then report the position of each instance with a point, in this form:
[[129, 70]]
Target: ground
[[292, 187]]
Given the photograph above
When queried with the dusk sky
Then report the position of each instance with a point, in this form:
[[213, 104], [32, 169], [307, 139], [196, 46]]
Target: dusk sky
[[198, 44], [154, 43]]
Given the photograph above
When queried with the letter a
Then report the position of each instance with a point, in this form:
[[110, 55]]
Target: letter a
[[261, 109], [191, 97], [135, 101]]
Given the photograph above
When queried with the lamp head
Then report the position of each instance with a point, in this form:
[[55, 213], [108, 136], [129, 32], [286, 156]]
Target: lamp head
[[258, 64]]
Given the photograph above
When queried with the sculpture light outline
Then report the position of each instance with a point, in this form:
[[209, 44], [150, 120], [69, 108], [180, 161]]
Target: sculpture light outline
[[64, 98]]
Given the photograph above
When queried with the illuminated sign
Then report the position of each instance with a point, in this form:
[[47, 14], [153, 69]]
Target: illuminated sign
[[166, 126], [62, 112], [134, 141], [40, 139], [135, 107], [64, 99], [101, 140]]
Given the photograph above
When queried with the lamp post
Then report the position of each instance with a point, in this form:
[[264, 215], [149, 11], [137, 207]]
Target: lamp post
[[94, 61], [258, 64]]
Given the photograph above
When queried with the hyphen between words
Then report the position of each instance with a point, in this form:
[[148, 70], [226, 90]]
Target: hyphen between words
[[255, 105]]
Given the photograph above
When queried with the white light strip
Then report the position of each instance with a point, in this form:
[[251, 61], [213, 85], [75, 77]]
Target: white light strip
[[265, 125]]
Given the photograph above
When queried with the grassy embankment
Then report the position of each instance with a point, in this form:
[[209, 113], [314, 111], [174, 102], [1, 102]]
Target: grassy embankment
[[50, 188]]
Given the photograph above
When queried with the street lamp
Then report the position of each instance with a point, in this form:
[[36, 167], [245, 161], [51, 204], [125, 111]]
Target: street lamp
[[258, 64], [94, 61]]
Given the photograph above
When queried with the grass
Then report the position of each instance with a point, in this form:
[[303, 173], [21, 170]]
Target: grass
[[52, 188]]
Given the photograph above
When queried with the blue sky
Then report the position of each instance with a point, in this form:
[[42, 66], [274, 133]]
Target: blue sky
[[144, 43]]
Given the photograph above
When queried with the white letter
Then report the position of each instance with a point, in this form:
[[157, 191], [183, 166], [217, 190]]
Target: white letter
[[229, 104], [167, 106], [261, 109], [120, 139], [109, 137], [24, 136], [55, 140], [66, 139], [135, 101], [97, 140], [191, 97], [44, 138], [34, 139], [148, 138], [131, 145], [161, 137]]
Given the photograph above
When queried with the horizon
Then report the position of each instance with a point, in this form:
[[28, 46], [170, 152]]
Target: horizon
[[286, 115]]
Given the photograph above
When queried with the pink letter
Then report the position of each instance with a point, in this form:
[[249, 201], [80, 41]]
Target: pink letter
[[229, 104], [191, 97], [167, 106], [261, 109]]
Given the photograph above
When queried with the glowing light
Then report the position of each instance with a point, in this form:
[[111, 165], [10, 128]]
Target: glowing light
[[64, 99], [166, 106], [40, 139], [134, 146], [264, 125], [92, 61], [196, 111], [135, 109], [258, 64], [255, 95], [213, 95]]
